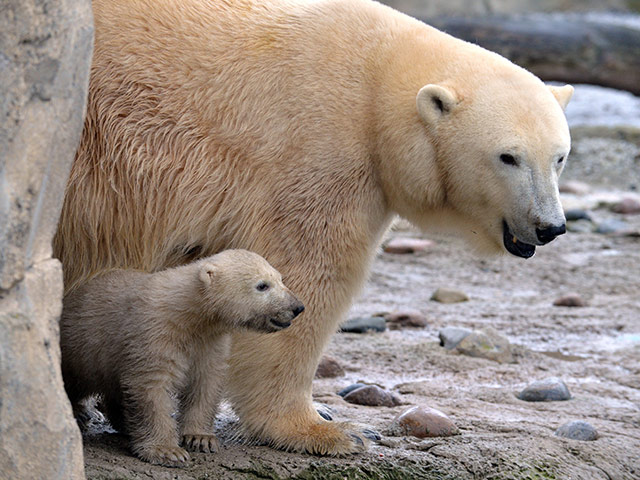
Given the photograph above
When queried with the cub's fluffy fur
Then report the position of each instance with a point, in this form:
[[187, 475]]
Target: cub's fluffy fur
[[146, 341]]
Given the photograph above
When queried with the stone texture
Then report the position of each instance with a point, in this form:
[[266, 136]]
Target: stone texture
[[329, 367], [578, 430], [487, 343], [422, 422], [612, 225], [45, 54], [548, 390], [364, 325], [373, 396], [350, 388], [450, 337], [574, 187], [449, 295], [405, 319]]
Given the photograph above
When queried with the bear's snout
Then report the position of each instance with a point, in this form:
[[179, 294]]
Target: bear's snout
[[298, 309]]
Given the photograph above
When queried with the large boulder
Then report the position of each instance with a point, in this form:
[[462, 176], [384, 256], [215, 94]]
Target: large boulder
[[45, 55]]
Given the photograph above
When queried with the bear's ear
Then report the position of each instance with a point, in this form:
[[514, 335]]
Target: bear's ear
[[562, 94], [207, 273], [434, 101]]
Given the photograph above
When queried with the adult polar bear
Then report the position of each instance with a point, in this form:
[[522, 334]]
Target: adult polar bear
[[297, 129]]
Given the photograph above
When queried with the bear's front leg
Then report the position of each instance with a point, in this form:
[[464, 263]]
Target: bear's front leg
[[200, 399], [147, 410], [270, 381]]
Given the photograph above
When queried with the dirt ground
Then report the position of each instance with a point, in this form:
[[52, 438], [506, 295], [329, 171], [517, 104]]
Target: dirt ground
[[594, 349]]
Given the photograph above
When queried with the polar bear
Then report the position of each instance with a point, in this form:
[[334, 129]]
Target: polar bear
[[144, 341], [298, 129]]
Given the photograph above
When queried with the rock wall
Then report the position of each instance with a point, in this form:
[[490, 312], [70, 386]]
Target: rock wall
[[432, 8], [45, 55]]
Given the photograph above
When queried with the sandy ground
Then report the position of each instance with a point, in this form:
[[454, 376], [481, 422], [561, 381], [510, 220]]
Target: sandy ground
[[594, 349]]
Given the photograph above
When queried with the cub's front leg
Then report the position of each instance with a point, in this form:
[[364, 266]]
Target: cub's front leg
[[200, 399]]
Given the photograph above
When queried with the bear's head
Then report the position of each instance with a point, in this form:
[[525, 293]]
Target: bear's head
[[499, 141], [243, 290]]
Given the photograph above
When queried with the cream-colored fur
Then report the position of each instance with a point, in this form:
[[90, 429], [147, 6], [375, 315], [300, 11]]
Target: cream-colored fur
[[153, 343], [296, 129]]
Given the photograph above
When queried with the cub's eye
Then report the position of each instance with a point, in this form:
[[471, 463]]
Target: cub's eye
[[561, 160], [508, 159], [262, 287]]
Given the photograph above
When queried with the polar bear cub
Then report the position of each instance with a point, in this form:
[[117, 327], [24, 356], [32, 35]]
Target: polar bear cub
[[151, 344]]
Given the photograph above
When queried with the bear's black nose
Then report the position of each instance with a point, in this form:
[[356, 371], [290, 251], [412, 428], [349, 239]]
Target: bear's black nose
[[545, 235], [298, 310]]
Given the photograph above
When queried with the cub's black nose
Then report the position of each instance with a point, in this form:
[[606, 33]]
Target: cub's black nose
[[545, 235], [298, 310]]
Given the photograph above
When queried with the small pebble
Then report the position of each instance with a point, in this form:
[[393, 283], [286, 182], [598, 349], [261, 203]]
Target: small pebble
[[364, 325], [329, 367], [350, 388], [487, 343], [405, 319], [373, 396], [448, 295], [576, 214], [570, 300], [407, 245], [627, 205], [547, 390], [612, 226], [450, 337], [574, 187], [422, 422], [578, 430]]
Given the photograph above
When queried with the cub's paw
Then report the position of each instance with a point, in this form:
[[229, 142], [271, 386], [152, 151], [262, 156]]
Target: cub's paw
[[164, 455], [201, 443]]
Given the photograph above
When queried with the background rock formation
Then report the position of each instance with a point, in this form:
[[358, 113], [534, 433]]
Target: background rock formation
[[45, 54]]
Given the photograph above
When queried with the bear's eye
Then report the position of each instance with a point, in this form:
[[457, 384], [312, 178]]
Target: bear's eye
[[561, 160], [508, 159], [262, 287]]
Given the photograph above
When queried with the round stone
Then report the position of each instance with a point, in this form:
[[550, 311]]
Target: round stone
[[373, 396], [570, 300], [405, 319], [450, 337], [578, 430], [364, 325], [448, 295], [422, 422], [407, 245], [329, 367], [547, 390]]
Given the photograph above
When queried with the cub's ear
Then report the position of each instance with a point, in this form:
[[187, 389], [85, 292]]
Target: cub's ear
[[434, 101], [562, 94], [208, 272]]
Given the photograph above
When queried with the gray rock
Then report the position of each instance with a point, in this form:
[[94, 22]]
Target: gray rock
[[405, 319], [45, 56], [547, 390], [486, 343], [574, 187], [576, 214], [450, 337], [408, 245], [329, 367], [350, 388], [448, 295], [577, 430], [570, 300], [364, 325], [612, 226], [373, 396], [422, 422]]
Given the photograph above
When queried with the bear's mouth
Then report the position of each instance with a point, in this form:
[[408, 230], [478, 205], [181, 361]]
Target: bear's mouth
[[278, 324], [515, 246]]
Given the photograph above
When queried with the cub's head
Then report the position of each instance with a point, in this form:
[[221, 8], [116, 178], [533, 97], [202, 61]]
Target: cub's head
[[500, 145], [243, 290]]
